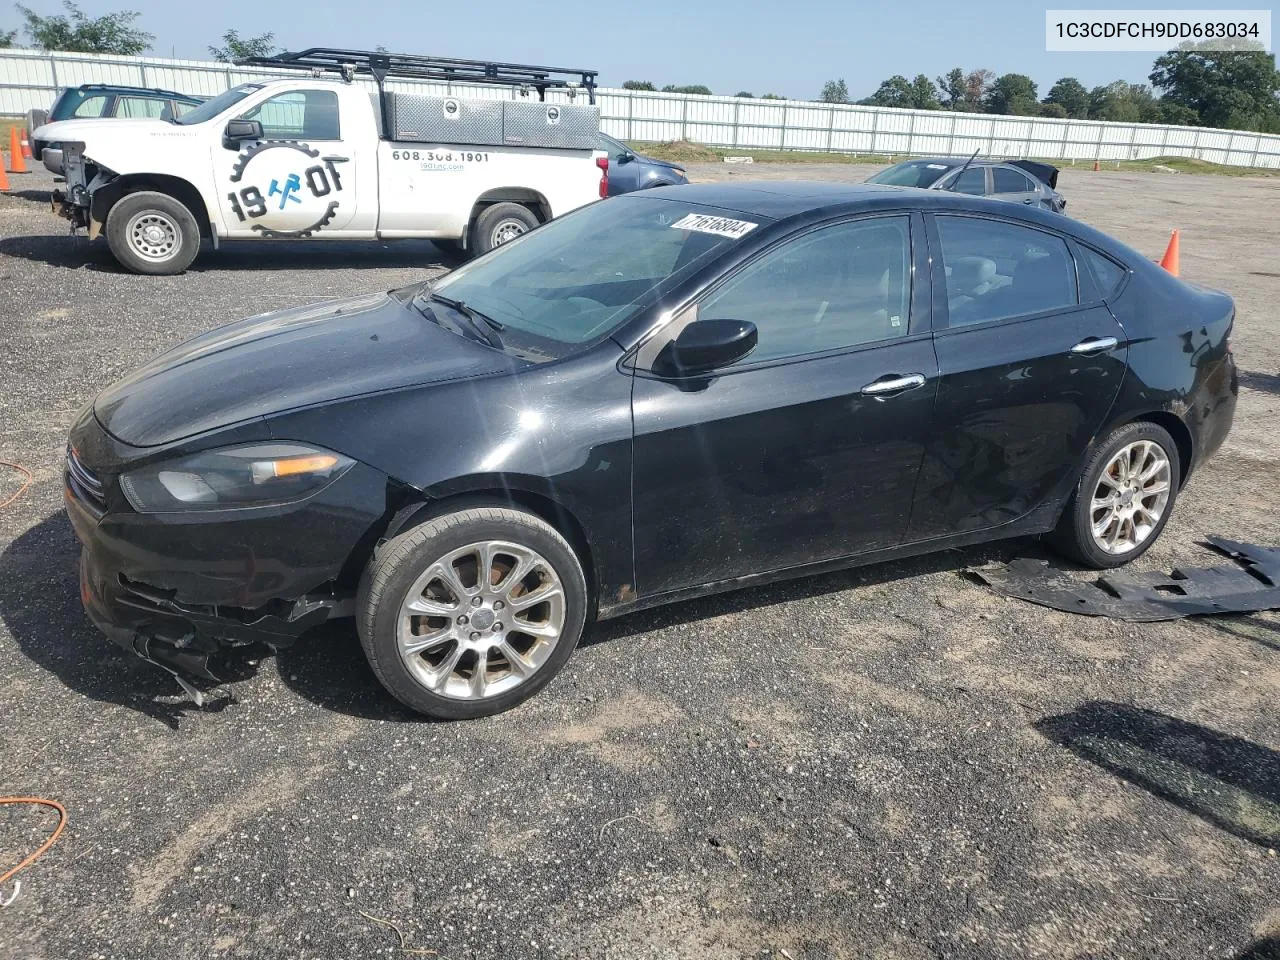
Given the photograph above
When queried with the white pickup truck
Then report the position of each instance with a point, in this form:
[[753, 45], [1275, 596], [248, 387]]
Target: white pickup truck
[[335, 159]]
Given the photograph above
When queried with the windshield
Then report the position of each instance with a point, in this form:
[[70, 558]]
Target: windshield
[[580, 277], [211, 108], [912, 173]]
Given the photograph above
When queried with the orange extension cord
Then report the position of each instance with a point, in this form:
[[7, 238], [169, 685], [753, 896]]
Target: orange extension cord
[[40, 851], [38, 801], [22, 489]]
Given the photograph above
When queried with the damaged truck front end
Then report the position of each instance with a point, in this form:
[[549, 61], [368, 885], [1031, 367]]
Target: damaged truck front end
[[85, 181]]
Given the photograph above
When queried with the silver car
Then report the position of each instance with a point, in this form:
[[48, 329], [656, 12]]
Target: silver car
[[1017, 181]]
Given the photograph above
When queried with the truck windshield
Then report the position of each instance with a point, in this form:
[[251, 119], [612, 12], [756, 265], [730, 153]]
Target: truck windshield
[[211, 108], [581, 276]]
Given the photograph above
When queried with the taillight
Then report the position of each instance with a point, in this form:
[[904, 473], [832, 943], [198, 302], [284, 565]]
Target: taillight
[[603, 164]]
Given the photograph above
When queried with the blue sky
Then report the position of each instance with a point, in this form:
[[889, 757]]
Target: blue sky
[[787, 48]]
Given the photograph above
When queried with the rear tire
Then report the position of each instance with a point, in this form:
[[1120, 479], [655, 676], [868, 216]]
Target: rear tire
[[454, 640], [499, 223], [1125, 497], [152, 233]]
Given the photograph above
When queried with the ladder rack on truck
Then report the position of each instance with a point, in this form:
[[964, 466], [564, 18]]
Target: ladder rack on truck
[[378, 65], [350, 63]]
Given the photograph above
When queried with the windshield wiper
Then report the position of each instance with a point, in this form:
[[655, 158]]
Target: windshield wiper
[[475, 318]]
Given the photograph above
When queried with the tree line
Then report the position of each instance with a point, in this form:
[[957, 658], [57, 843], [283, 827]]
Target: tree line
[[76, 32], [1233, 90]]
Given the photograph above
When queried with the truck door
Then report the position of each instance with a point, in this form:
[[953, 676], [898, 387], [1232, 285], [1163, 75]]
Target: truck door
[[310, 175]]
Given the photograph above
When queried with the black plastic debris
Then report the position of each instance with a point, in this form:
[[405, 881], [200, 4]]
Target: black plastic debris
[[1252, 583]]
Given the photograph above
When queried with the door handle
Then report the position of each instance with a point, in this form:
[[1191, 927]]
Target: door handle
[[336, 159], [1028, 201], [885, 386], [1091, 345]]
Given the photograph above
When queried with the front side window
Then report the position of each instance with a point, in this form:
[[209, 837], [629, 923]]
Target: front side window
[[578, 278], [1010, 181], [836, 287], [972, 181], [996, 270], [298, 115]]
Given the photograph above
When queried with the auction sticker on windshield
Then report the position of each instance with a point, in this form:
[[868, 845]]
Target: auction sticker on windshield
[[721, 226]]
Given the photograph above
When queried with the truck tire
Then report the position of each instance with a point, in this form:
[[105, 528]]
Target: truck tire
[[499, 223], [152, 233]]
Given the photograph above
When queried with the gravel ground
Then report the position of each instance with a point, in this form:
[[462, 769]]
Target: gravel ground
[[890, 762]]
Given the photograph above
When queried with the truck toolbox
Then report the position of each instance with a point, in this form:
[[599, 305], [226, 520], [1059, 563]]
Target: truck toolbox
[[421, 119], [531, 123]]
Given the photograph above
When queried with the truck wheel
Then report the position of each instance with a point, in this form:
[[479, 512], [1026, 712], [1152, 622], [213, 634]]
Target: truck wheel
[[471, 612], [500, 223], [152, 233]]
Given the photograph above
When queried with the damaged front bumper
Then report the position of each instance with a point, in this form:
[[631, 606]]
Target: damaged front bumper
[[176, 589]]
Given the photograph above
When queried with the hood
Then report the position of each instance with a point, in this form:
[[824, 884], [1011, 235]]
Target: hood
[[86, 130], [285, 360]]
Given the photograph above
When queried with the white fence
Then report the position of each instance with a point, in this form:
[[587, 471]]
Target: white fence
[[31, 79]]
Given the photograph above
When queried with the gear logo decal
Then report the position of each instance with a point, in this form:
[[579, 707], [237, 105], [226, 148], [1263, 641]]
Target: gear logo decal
[[285, 189]]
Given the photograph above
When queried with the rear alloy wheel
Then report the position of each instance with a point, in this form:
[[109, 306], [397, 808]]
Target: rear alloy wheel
[[501, 223], [1124, 498], [152, 233], [471, 613]]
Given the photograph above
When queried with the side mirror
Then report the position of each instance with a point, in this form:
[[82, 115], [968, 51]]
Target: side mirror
[[707, 345], [626, 157], [240, 130]]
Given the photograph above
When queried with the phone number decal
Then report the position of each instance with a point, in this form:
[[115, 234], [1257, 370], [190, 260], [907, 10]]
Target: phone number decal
[[441, 156]]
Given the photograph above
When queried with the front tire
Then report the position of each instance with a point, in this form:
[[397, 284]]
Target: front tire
[[500, 223], [1124, 498], [152, 233], [471, 613]]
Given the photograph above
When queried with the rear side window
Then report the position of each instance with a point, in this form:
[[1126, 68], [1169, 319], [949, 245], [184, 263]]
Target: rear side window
[[139, 107], [972, 181], [996, 270], [1010, 181], [1107, 274], [94, 107]]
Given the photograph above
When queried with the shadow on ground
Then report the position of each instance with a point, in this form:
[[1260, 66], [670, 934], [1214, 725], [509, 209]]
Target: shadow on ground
[[1230, 782], [1265, 382], [76, 253], [40, 605], [1265, 949]]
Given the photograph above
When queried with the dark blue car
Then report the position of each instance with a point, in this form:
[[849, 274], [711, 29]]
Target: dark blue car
[[94, 100], [630, 171]]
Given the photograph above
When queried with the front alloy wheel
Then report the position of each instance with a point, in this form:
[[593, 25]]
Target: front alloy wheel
[[471, 612], [481, 620]]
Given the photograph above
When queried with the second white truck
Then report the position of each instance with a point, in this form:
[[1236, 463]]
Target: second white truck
[[324, 158]]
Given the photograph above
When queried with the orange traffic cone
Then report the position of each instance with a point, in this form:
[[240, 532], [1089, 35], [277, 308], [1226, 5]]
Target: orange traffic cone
[[16, 163], [1170, 259], [4, 180], [1096, 166], [26, 145]]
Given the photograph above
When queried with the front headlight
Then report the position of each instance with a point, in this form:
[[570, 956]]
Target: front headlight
[[258, 475]]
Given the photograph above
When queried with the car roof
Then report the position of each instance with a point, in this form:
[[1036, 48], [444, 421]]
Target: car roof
[[781, 200], [137, 91]]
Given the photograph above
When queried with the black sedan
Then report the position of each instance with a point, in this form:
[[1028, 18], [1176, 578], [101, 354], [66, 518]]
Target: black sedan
[[658, 396]]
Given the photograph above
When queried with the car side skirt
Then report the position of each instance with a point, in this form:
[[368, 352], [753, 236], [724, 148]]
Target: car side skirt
[[1040, 520]]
